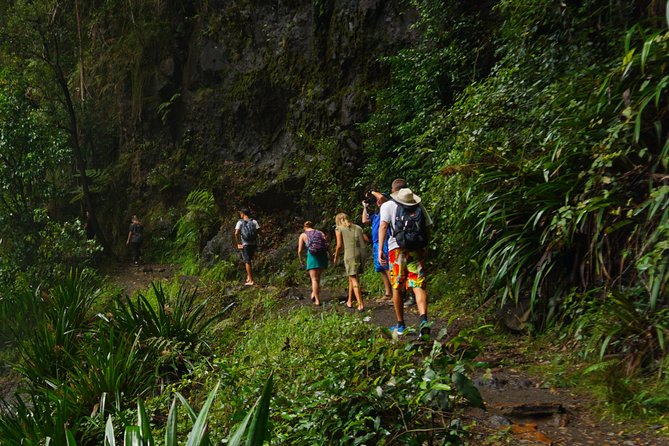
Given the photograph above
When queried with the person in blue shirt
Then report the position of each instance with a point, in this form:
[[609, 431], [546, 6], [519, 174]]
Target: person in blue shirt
[[373, 219]]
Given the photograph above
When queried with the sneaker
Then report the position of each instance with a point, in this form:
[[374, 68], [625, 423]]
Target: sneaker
[[423, 330], [397, 329], [410, 302]]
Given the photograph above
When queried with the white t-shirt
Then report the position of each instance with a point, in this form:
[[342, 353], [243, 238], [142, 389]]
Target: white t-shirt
[[238, 227], [387, 213]]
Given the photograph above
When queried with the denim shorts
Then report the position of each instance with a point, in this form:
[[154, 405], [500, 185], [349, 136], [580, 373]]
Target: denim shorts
[[248, 251]]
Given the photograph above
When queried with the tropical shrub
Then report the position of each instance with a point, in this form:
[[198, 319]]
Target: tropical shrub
[[59, 320], [194, 228], [253, 428], [112, 365], [33, 418], [574, 202], [171, 322]]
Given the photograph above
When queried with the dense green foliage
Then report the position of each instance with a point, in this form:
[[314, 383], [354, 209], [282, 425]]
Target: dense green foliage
[[32, 176], [537, 132], [340, 381], [556, 156]]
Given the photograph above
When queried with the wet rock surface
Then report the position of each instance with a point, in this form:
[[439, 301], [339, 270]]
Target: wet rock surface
[[522, 410]]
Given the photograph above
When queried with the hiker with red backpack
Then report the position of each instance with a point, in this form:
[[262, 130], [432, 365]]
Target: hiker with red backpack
[[316, 245], [408, 222], [246, 236]]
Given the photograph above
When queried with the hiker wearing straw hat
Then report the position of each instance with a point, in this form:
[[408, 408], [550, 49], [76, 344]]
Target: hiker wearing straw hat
[[408, 222]]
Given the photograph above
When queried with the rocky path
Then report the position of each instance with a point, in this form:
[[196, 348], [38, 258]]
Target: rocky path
[[521, 409]]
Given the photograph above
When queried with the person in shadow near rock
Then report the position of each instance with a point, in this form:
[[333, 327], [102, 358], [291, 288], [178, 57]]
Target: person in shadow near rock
[[352, 238], [246, 236], [316, 245], [373, 218], [135, 238]]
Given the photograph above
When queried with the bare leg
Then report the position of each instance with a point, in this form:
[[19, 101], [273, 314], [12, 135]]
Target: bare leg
[[398, 304], [355, 285], [421, 300], [349, 297], [385, 275], [249, 273], [398, 287], [315, 275]]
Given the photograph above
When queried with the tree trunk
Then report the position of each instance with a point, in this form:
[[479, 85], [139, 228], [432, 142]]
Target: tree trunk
[[76, 146]]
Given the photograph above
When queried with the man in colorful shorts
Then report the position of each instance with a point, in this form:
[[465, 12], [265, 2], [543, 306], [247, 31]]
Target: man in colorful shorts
[[407, 267]]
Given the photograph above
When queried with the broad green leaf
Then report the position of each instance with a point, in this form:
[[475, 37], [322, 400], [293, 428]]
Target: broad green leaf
[[103, 404], [110, 440], [189, 410], [627, 61], [132, 436], [143, 424], [660, 336], [646, 51], [235, 438], [197, 434], [605, 345], [258, 429], [659, 89], [69, 437], [171, 427], [467, 389]]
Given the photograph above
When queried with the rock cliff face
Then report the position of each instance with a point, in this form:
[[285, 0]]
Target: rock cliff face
[[260, 72], [249, 89]]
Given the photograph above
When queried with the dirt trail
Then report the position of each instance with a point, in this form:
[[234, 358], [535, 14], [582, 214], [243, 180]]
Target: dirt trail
[[520, 409]]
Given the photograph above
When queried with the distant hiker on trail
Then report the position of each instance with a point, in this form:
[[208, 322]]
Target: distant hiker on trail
[[352, 239], [407, 250], [135, 238], [374, 219], [246, 236], [316, 245]]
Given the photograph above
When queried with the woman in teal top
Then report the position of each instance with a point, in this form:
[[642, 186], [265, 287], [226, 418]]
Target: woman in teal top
[[317, 257], [353, 240]]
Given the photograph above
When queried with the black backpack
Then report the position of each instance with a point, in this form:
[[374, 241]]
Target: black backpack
[[136, 230], [409, 228], [249, 231]]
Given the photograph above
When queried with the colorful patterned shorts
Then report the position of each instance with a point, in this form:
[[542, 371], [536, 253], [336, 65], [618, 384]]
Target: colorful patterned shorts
[[407, 268]]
